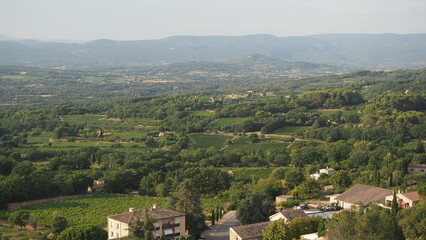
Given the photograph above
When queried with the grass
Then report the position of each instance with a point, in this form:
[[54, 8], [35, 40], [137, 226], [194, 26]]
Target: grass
[[207, 140], [244, 143], [247, 172], [202, 113], [288, 130], [279, 138], [94, 209], [328, 112], [7, 232], [223, 122], [100, 121], [126, 136]]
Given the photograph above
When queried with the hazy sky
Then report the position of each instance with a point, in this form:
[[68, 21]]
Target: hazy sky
[[153, 19]]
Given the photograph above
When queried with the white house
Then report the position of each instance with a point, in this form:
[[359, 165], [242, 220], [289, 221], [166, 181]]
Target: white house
[[328, 171], [168, 223]]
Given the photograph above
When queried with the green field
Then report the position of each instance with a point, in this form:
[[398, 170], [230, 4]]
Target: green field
[[202, 140], [223, 122], [288, 130], [100, 121], [244, 143], [202, 113], [329, 112], [94, 209], [244, 172]]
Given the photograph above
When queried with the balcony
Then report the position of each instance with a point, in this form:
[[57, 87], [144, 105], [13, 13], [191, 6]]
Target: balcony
[[171, 225], [172, 235]]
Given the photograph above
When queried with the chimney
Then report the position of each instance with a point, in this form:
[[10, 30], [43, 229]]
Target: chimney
[[131, 209]]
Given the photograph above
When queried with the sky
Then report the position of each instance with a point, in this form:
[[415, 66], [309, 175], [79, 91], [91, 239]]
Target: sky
[[154, 19]]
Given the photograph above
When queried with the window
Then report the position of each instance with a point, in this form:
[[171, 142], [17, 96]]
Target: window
[[117, 225], [112, 234]]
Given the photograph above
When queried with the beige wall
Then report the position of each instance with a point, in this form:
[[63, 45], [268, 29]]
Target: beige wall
[[233, 235], [118, 229], [416, 170]]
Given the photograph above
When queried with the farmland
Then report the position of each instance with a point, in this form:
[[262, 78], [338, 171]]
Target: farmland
[[223, 122], [94, 209], [202, 140], [288, 130]]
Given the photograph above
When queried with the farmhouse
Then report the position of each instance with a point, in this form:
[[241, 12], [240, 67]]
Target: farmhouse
[[96, 186], [283, 198], [250, 231], [162, 134], [416, 168], [405, 200], [168, 223], [362, 194], [328, 171]]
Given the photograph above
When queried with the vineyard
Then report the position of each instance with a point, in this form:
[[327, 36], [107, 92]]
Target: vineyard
[[94, 209]]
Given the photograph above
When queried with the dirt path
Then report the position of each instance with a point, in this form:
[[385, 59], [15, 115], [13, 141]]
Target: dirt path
[[14, 206]]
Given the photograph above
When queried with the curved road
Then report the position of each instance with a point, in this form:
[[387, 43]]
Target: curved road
[[220, 231]]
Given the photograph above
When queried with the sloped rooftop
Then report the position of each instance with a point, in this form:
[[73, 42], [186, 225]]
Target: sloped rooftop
[[364, 194]]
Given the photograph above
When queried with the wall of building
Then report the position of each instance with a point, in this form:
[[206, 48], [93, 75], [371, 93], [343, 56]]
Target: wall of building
[[117, 229], [233, 235], [414, 170]]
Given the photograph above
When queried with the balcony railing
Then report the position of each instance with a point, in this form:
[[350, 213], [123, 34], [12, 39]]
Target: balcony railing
[[168, 225], [172, 235]]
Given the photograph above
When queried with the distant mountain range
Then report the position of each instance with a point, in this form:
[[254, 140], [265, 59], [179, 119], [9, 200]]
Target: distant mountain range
[[356, 51]]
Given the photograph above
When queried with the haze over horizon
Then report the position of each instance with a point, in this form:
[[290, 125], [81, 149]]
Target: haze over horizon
[[148, 19]]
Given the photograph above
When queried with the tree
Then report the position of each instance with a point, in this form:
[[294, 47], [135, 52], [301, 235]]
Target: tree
[[148, 227], [257, 207], [413, 221], [394, 208], [308, 189], [24, 168], [6, 165], [280, 230], [276, 230], [254, 138], [19, 218], [187, 201], [340, 180], [321, 228], [33, 221], [83, 232], [59, 224], [372, 223], [293, 178]]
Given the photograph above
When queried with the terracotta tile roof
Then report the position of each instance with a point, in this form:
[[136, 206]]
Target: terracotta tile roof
[[413, 196], [364, 194], [155, 213], [250, 230], [290, 215], [416, 165], [124, 217]]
